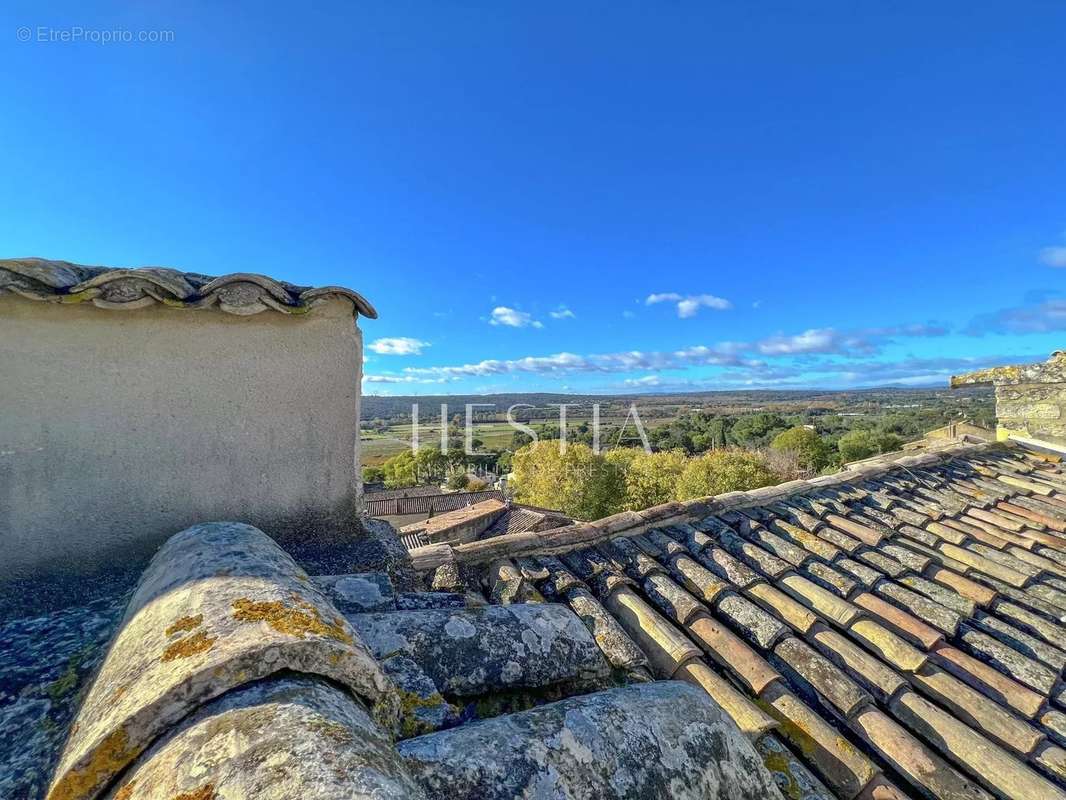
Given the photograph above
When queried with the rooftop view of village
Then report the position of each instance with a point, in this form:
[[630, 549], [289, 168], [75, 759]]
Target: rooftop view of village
[[532, 401]]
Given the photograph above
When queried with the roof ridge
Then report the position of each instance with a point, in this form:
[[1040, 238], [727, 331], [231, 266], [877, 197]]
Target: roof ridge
[[631, 523], [120, 288]]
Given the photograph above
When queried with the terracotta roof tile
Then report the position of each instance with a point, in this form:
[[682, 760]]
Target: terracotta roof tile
[[906, 618]]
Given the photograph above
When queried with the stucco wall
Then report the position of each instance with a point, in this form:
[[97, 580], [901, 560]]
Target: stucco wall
[[119, 428]]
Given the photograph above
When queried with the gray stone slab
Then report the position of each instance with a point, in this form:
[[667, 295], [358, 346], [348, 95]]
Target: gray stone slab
[[656, 740], [359, 593], [472, 652]]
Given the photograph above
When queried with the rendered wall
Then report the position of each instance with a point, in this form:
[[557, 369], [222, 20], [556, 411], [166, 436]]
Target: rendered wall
[[119, 428]]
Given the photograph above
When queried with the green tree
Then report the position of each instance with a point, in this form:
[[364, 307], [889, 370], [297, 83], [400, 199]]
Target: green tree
[[722, 471], [430, 464], [810, 449], [458, 481], [399, 471], [373, 475], [756, 430], [575, 481], [860, 444], [649, 479]]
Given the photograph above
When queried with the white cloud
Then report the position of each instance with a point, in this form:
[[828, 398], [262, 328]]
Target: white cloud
[[689, 305], [398, 346], [646, 381], [627, 314], [828, 341], [662, 297], [402, 379], [817, 340], [562, 313], [1054, 256], [513, 318]]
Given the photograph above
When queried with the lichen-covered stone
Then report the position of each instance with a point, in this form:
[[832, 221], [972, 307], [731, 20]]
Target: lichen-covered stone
[[657, 740], [220, 605], [419, 601], [422, 707], [476, 651], [358, 593], [794, 780], [277, 739]]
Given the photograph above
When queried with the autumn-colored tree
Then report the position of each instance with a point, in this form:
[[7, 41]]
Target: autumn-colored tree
[[649, 479], [720, 471], [573, 480]]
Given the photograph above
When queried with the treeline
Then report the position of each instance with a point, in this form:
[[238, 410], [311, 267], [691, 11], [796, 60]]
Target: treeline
[[821, 441], [588, 486]]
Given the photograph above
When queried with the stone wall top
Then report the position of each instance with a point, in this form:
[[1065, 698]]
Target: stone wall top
[[1051, 371], [240, 293]]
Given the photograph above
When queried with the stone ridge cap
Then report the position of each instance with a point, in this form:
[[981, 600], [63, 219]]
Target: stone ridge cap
[[119, 288], [1051, 371], [632, 523]]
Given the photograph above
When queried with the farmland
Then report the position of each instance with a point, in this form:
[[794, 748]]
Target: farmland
[[387, 421]]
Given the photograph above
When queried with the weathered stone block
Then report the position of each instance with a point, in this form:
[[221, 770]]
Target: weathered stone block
[[277, 739], [477, 651], [657, 740]]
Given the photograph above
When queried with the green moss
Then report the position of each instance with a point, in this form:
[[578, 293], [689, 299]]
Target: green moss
[[779, 765], [410, 703], [68, 680]]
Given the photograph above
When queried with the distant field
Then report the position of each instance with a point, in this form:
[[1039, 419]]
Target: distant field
[[377, 447]]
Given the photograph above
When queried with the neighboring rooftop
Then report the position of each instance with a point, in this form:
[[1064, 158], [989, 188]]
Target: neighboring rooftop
[[417, 500], [481, 520], [240, 293]]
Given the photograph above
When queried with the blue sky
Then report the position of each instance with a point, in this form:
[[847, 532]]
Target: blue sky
[[572, 196]]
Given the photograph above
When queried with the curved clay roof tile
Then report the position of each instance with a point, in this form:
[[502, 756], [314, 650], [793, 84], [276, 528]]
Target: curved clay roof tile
[[241, 293]]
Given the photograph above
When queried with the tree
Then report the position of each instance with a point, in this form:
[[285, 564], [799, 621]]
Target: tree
[[856, 445], [430, 464], [649, 479], [458, 481], [810, 449], [373, 475], [756, 430], [399, 471], [576, 481], [722, 471]]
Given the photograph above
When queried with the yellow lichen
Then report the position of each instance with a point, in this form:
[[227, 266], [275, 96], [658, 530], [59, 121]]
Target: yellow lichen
[[205, 792], [780, 766], [184, 624], [126, 792], [112, 755], [199, 642], [299, 621]]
